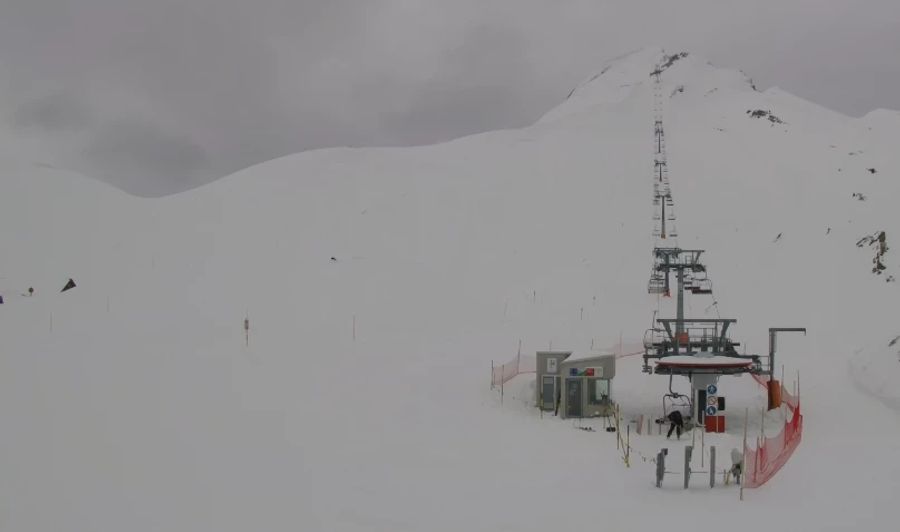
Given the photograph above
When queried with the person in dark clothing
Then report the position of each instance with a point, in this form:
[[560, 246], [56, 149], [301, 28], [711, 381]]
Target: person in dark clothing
[[677, 424]]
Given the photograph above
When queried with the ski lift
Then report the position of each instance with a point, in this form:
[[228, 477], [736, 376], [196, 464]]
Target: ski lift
[[653, 337], [676, 400], [701, 286], [656, 285]]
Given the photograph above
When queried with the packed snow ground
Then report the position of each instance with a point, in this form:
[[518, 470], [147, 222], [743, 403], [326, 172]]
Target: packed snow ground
[[362, 400]]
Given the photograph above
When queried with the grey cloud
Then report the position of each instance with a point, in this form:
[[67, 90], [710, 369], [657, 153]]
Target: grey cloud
[[53, 113], [142, 157], [213, 86]]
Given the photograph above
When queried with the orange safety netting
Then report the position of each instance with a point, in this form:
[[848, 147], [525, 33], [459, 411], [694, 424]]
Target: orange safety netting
[[516, 366], [773, 452]]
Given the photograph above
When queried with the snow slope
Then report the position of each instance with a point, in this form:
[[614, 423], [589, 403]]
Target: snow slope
[[361, 403]]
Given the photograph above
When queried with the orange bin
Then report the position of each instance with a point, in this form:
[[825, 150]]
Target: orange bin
[[774, 389], [715, 423]]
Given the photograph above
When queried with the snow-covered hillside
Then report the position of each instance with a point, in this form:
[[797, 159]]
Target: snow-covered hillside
[[379, 285]]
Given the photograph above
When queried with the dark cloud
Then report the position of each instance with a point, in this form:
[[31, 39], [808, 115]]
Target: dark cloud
[[139, 156], [53, 113], [206, 87]]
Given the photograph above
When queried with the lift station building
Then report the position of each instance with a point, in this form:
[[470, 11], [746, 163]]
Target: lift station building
[[579, 386]]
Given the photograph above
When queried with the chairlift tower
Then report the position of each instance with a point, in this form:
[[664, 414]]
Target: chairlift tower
[[697, 348], [664, 215]]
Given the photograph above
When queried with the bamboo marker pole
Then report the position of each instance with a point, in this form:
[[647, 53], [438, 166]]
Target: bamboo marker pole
[[628, 445], [762, 425], [744, 453]]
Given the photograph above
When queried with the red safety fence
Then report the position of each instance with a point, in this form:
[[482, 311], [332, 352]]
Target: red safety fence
[[773, 452], [516, 366]]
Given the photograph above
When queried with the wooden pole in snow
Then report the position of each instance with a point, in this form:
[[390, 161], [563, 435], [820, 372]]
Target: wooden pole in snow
[[762, 424], [628, 445], [744, 452]]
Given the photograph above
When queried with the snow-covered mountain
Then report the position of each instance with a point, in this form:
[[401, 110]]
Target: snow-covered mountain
[[379, 284]]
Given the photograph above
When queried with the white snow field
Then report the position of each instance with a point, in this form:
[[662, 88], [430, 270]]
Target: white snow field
[[362, 403]]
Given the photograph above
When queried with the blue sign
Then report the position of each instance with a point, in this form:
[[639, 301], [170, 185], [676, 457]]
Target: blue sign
[[573, 372], [712, 389], [711, 410]]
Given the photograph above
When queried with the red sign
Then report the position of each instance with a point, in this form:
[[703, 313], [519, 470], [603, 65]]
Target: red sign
[[589, 372]]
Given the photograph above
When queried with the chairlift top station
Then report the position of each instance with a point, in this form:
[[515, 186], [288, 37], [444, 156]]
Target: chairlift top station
[[698, 345]]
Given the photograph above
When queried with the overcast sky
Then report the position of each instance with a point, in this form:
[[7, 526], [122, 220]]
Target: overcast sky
[[161, 95]]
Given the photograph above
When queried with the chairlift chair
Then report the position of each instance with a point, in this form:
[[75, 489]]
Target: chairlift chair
[[656, 285], [701, 286]]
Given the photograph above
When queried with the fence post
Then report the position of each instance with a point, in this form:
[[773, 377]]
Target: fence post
[[618, 432], [762, 424], [660, 468], [628, 445], [744, 453], [687, 465]]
